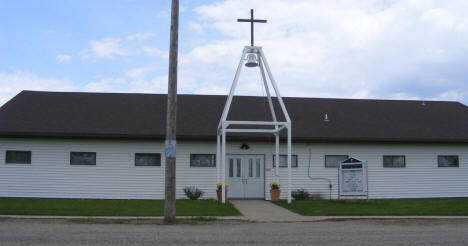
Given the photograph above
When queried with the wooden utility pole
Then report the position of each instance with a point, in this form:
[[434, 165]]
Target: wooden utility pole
[[170, 152]]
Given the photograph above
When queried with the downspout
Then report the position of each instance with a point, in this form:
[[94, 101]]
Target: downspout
[[318, 178]]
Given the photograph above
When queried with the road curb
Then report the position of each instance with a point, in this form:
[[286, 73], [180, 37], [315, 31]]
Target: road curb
[[117, 217], [383, 217], [241, 218]]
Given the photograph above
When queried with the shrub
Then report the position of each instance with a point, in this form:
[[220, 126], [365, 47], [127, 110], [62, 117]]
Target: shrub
[[300, 194], [193, 193]]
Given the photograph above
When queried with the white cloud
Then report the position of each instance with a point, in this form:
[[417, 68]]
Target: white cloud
[[196, 27], [131, 45], [163, 14], [210, 89], [401, 49], [140, 36], [451, 95], [107, 85], [63, 58], [439, 17], [136, 72], [107, 47], [142, 80], [154, 85], [13, 83], [370, 48], [135, 80], [151, 51]]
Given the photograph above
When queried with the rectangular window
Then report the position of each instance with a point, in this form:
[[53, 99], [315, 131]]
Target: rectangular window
[[283, 161], [202, 160], [83, 158], [447, 161], [332, 161], [394, 161], [147, 159], [18, 157]]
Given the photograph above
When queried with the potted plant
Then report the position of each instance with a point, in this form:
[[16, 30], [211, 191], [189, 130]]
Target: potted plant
[[219, 190], [275, 191]]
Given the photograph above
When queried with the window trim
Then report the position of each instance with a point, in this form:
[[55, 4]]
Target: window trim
[[193, 154], [392, 156], [325, 160], [458, 161], [292, 166], [24, 163], [82, 164], [160, 160]]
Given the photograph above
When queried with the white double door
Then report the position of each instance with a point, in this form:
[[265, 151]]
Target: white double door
[[245, 175]]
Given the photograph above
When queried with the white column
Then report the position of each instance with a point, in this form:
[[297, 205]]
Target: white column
[[273, 84], [227, 106], [277, 157], [223, 160], [218, 158], [289, 163]]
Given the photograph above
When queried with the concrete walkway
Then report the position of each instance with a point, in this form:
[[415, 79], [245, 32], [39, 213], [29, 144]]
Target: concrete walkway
[[265, 211]]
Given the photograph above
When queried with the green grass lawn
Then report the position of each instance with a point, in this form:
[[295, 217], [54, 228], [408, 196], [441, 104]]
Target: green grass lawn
[[94, 207], [383, 207]]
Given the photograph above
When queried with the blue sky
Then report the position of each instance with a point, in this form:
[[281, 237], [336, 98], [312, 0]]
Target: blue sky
[[409, 49]]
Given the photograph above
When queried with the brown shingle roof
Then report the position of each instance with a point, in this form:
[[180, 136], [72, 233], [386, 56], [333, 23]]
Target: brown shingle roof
[[122, 115]]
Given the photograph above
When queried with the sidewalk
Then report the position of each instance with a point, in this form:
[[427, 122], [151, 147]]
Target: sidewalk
[[265, 211]]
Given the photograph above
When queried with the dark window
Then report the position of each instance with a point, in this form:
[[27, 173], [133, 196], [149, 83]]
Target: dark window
[[394, 161], [83, 158], [147, 159], [202, 160], [18, 157], [332, 161], [447, 160], [283, 161]]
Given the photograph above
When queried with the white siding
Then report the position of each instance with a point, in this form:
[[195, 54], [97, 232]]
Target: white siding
[[115, 175], [420, 178]]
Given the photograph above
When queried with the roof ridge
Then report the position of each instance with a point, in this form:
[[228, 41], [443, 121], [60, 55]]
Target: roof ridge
[[245, 96]]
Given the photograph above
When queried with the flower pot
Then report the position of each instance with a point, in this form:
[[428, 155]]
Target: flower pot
[[275, 194], [220, 194]]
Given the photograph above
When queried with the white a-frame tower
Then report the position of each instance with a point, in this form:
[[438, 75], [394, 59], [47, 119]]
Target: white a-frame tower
[[253, 56]]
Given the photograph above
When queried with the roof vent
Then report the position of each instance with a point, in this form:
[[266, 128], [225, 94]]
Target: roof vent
[[325, 118]]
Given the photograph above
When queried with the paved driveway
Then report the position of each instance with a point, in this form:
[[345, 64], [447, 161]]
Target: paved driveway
[[362, 232]]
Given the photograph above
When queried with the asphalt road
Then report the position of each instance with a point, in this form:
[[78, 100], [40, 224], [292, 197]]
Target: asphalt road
[[360, 232]]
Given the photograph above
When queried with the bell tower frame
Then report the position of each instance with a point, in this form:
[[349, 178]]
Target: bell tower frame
[[227, 126]]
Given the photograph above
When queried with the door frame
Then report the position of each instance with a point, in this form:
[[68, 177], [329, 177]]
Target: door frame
[[264, 175]]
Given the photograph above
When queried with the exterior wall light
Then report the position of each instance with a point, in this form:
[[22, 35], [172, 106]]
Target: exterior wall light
[[245, 146]]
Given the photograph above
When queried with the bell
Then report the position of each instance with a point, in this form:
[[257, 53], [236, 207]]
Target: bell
[[251, 61]]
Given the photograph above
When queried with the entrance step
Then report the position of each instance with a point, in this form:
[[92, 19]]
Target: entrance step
[[265, 211]]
